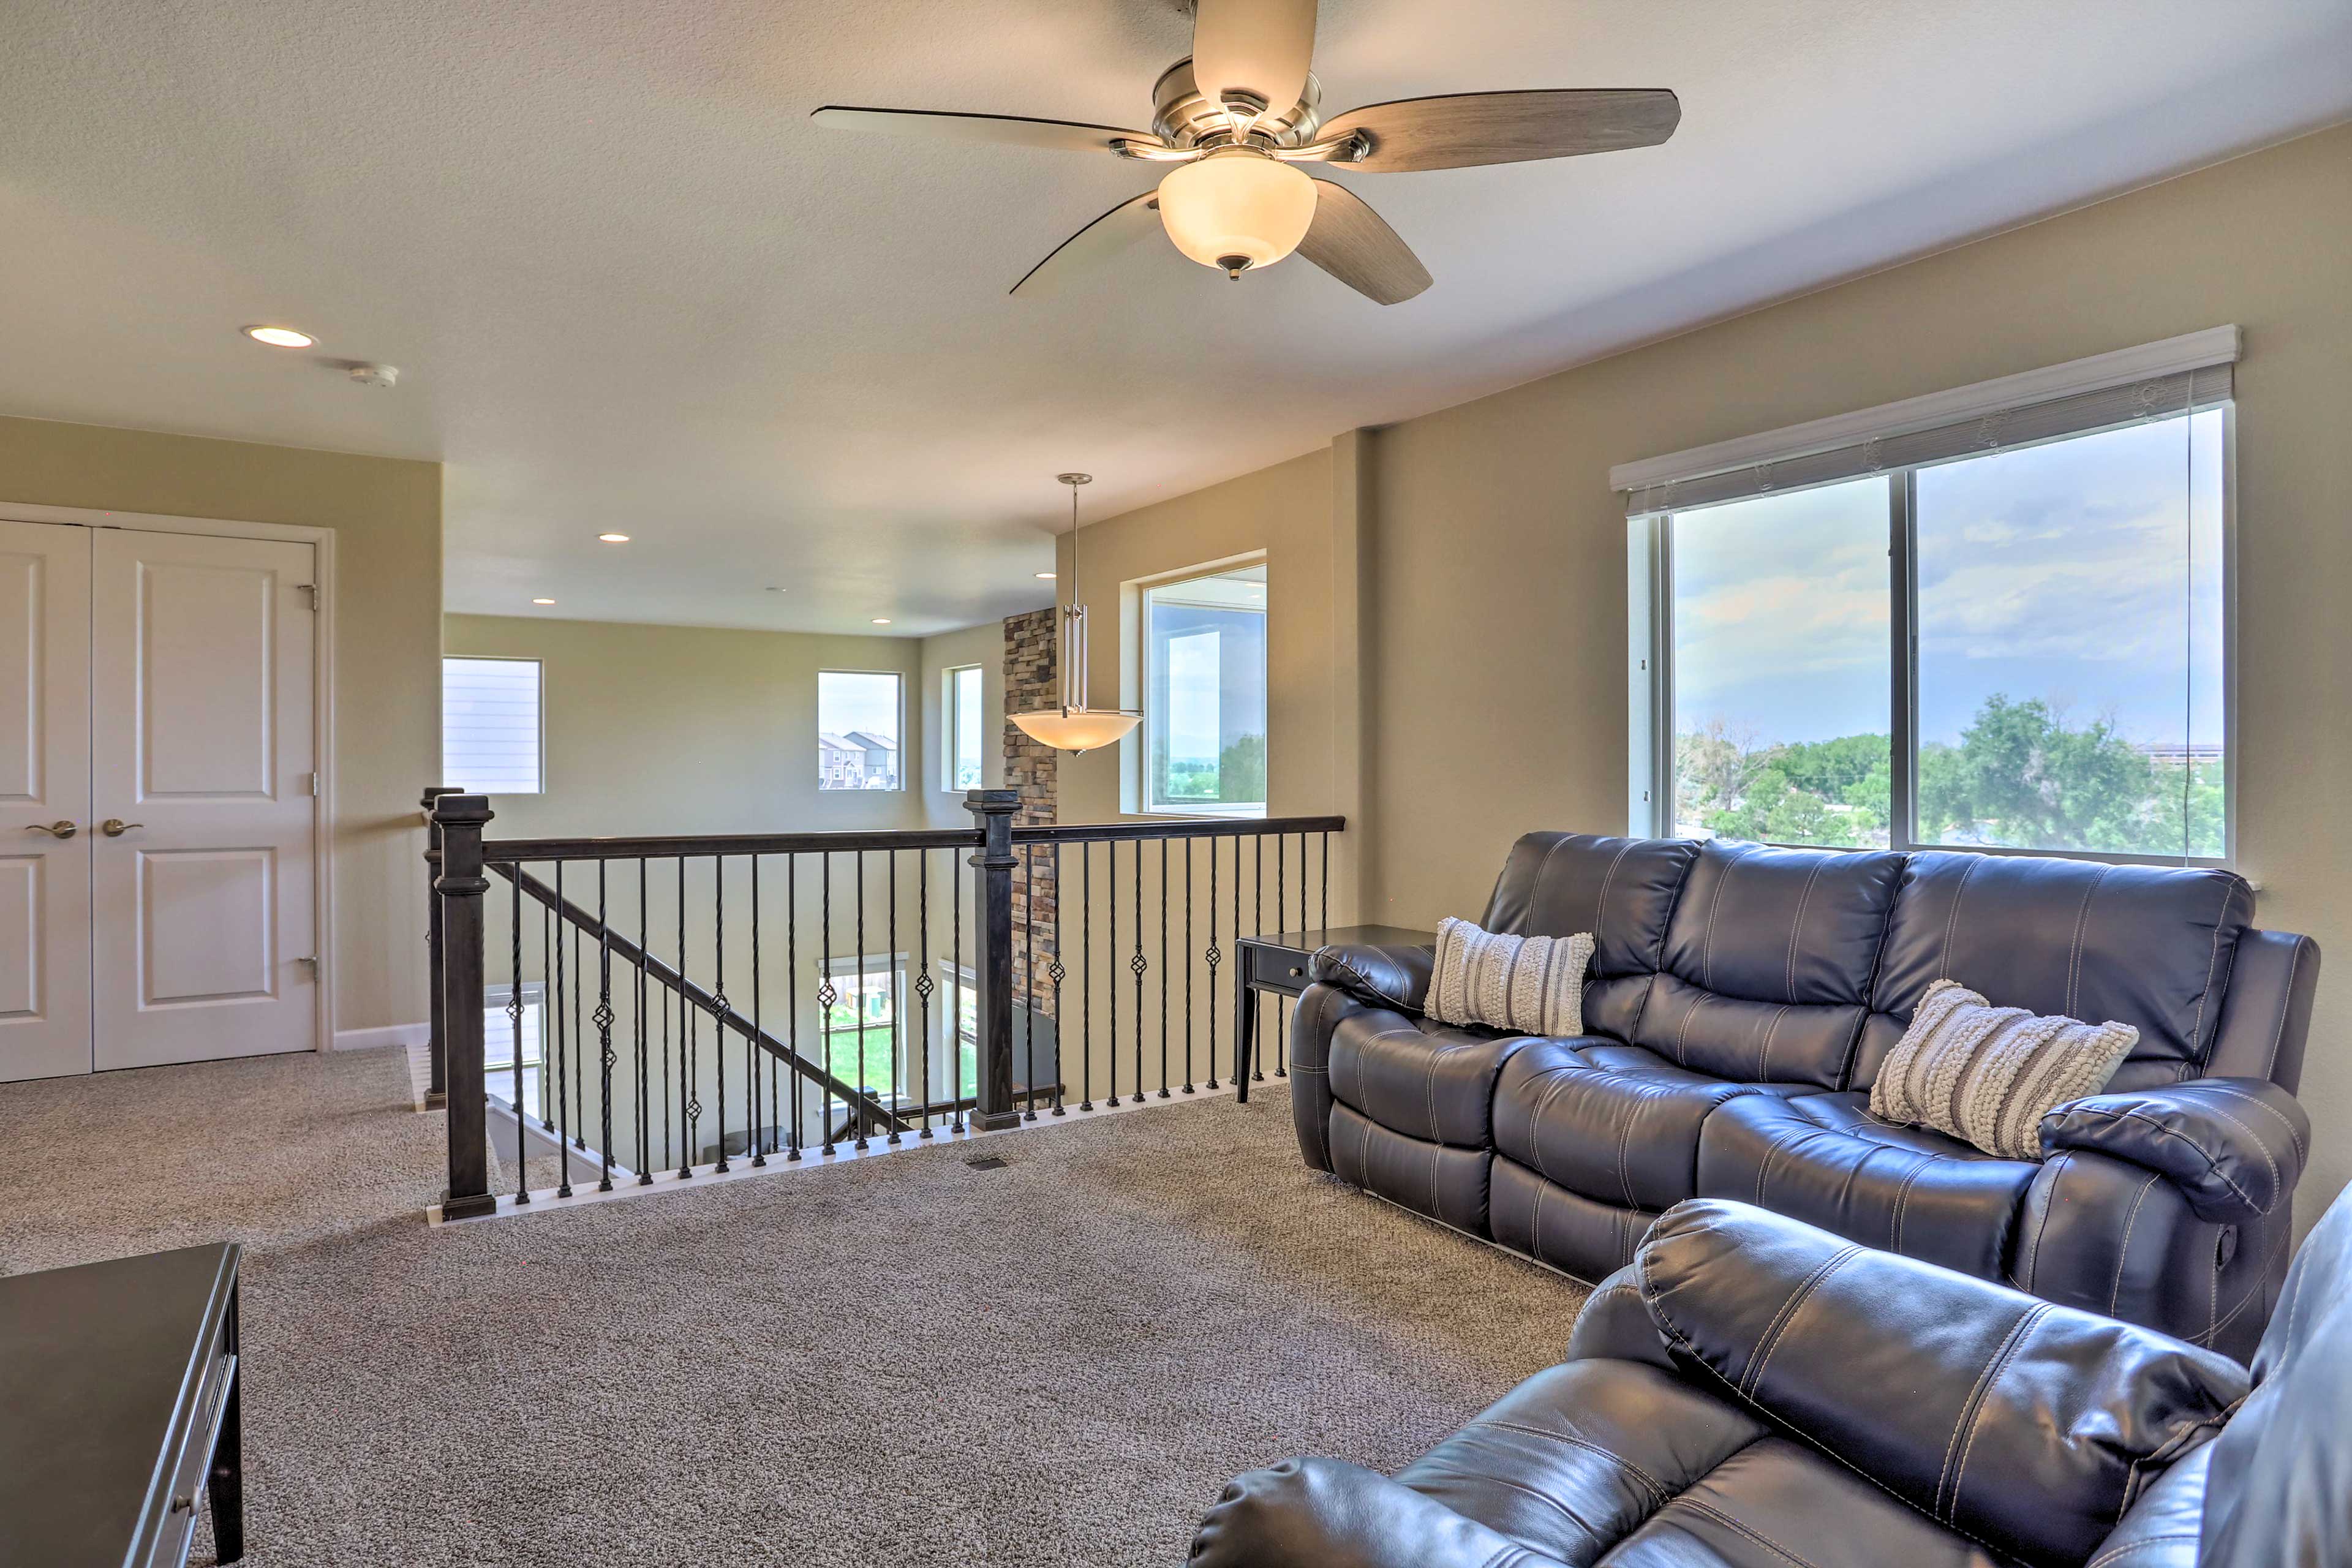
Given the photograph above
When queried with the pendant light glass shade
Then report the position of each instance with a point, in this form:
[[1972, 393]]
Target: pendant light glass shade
[[1072, 726], [1236, 209]]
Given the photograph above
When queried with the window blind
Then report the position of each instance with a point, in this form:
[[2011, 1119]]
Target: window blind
[[489, 725], [2177, 376]]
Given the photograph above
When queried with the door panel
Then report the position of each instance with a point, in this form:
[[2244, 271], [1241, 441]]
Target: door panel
[[202, 703], [44, 914]]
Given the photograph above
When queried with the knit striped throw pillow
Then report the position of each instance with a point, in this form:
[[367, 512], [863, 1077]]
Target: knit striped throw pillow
[[1987, 1075], [1531, 984]]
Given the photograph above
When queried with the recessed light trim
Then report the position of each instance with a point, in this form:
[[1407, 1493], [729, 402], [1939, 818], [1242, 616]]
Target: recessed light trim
[[279, 337], [881, 620], [542, 601], [612, 538], [1045, 576]]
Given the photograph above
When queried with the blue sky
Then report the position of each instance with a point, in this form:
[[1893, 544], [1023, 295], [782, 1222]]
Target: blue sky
[[2063, 571]]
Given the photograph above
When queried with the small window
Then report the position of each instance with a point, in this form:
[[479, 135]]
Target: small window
[[862, 1022], [857, 715], [1204, 702], [492, 739], [962, 703]]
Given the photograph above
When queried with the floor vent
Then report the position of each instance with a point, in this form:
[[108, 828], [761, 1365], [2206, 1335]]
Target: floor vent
[[986, 1162]]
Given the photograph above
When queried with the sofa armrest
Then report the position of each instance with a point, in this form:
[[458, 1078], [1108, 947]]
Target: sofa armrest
[[2234, 1146], [2029, 1425], [1326, 1513], [1385, 976]]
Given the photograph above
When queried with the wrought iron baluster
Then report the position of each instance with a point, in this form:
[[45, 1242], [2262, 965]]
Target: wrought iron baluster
[[864, 1089], [792, 992], [1163, 961], [1213, 955], [1281, 914], [1136, 965], [719, 1011], [1027, 994], [514, 1039], [1110, 860], [579, 1036], [1323, 919], [1087, 975], [1188, 859], [645, 1075], [1055, 971], [689, 1110], [605, 1029], [827, 993], [563, 1146], [1257, 1003], [753, 1048], [955, 979], [890, 968], [923, 984]]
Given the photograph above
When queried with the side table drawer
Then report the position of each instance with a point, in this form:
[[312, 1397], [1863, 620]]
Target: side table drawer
[[191, 1470]]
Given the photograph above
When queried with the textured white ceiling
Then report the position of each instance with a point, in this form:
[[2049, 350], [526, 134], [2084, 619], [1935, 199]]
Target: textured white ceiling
[[629, 287]]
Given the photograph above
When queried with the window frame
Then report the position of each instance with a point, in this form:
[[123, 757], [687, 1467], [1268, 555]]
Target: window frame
[[1651, 599], [950, 713], [898, 676], [1146, 801], [539, 698]]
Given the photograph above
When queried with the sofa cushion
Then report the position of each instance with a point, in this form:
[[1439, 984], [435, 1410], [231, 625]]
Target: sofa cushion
[[1428, 1080], [1448, 1185], [2150, 946], [1824, 1159], [1611, 1122], [1584, 1237], [1614, 1458], [1623, 891], [1768, 963]]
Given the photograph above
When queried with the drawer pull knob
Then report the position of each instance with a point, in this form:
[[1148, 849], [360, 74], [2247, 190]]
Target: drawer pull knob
[[183, 1504], [1297, 971]]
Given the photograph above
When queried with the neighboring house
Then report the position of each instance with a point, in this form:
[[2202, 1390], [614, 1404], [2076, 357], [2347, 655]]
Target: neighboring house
[[841, 762], [878, 759]]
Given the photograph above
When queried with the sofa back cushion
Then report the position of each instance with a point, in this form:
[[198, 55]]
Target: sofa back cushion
[[1767, 968], [2150, 946], [1623, 891]]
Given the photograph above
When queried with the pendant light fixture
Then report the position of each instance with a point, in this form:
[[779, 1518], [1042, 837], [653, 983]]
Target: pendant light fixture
[[1072, 726]]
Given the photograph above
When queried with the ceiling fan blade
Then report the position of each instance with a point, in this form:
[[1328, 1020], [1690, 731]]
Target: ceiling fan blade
[[1013, 130], [1093, 245], [1354, 244], [1258, 47], [1465, 128]]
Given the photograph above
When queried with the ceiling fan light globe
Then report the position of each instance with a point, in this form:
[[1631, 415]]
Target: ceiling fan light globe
[[1077, 729], [1236, 204]]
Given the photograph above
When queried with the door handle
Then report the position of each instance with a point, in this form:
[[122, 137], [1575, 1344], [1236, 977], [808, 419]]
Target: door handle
[[62, 827], [115, 827]]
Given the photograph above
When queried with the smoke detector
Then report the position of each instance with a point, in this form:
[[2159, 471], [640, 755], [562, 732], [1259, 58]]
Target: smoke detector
[[375, 375]]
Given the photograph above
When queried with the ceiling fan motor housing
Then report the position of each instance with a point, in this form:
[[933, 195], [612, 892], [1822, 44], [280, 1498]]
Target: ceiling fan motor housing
[[1187, 117]]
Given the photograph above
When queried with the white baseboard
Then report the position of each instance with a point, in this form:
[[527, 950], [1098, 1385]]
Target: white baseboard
[[389, 1035]]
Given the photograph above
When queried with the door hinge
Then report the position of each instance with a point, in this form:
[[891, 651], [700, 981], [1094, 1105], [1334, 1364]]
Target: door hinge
[[311, 964], [309, 592], [312, 784]]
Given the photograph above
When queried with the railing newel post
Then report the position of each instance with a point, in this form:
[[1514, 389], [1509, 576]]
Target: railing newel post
[[436, 1091], [458, 822], [993, 809]]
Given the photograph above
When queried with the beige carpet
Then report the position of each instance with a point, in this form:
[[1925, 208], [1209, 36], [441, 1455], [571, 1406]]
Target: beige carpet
[[905, 1359]]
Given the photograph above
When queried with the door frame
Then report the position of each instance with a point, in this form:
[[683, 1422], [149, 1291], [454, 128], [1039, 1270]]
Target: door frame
[[323, 814]]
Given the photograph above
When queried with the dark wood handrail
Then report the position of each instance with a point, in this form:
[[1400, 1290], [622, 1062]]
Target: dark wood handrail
[[505, 852], [661, 974]]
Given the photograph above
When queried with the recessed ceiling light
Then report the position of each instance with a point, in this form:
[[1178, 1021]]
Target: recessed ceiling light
[[881, 620], [612, 538], [1044, 576], [542, 601], [280, 337]]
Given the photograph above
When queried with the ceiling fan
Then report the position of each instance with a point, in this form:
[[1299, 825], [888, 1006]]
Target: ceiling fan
[[1239, 118]]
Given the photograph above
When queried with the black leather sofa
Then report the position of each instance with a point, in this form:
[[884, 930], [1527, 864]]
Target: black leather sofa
[[1755, 1393], [1741, 1000]]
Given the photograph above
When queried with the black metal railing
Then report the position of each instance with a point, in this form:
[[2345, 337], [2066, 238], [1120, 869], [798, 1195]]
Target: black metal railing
[[623, 1010]]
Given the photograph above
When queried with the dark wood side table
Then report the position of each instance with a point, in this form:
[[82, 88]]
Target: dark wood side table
[[1277, 963], [119, 1395]]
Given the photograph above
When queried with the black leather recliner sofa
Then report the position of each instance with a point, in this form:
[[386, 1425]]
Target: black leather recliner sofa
[[1741, 1000], [1755, 1393]]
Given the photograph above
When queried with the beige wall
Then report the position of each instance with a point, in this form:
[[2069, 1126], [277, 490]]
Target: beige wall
[[386, 514], [689, 729], [982, 644], [1494, 565]]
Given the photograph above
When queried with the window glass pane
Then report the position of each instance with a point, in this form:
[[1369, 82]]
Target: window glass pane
[[1205, 701], [963, 693], [2069, 644], [489, 725], [857, 730], [1781, 638], [857, 1026]]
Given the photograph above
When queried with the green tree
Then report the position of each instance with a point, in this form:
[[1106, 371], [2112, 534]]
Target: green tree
[[1241, 769], [2021, 775]]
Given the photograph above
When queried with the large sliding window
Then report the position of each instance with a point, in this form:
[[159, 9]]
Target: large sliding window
[[2016, 641]]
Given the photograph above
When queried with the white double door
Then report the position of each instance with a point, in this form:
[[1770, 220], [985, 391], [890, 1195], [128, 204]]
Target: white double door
[[157, 821]]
